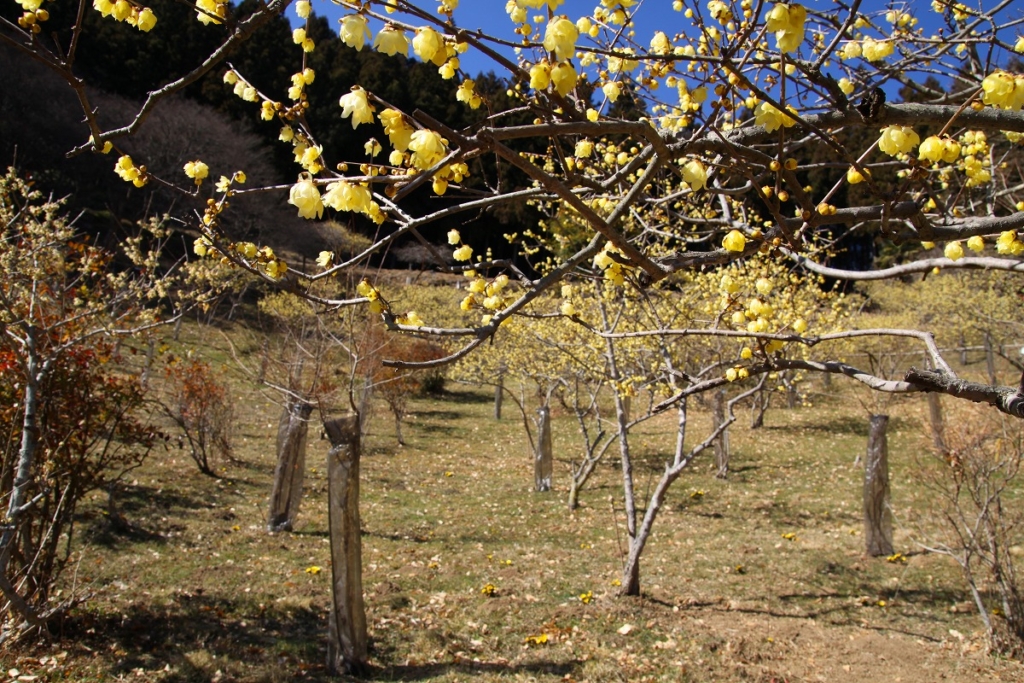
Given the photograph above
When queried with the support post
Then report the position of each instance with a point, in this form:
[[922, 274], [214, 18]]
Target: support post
[[877, 510], [286, 495], [542, 459], [347, 643]]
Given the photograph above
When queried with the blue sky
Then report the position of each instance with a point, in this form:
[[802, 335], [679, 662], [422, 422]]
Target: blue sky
[[652, 15]]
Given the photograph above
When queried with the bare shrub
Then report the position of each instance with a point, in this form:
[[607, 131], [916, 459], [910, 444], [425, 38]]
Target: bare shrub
[[979, 515], [198, 401]]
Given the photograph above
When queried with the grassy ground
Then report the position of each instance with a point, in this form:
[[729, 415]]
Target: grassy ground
[[760, 577]]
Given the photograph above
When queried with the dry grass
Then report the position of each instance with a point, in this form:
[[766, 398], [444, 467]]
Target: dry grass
[[199, 591]]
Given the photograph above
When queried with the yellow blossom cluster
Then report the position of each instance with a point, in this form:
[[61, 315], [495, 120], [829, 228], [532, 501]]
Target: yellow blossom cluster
[[129, 172], [34, 15], [463, 252], [769, 116], [342, 195], [1008, 244], [976, 163], [897, 140], [490, 295], [373, 295], [241, 87], [614, 270], [938, 149], [786, 21], [141, 18], [197, 170], [211, 11]]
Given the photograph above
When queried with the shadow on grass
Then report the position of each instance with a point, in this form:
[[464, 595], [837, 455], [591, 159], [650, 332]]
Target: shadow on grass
[[844, 424], [199, 638], [466, 397]]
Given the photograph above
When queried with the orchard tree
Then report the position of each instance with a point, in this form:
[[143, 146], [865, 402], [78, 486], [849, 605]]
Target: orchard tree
[[653, 152]]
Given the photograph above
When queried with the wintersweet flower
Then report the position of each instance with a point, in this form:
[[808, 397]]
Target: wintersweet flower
[[197, 170], [612, 90], [560, 37], [354, 31], [1003, 90], [876, 50], [463, 253], [306, 198], [540, 76], [854, 177], [146, 20], [695, 175], [302, 9], [427, 148], [763, 286], [953, 251], [567, 308], [976, 244], [345, 196], [202, 246], [734, 241], [324, 259], [584, 148], [467, 94], [767, 115], [660, 44], [799, 325], [563, 77], [212, 11], [851, 50], [454, 237], [276, 269], [787, 23], [355, 104], [898, 140], [397, 130], [391, 41], [428, 45]]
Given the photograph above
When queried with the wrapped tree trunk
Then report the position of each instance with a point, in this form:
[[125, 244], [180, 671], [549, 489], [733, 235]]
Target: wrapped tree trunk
[[347, 642], [722, 442], [286, 495], [499, 395], [935, 420], [877, 511], [542, 458]]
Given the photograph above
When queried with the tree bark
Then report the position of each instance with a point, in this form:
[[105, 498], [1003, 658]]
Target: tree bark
[[286, 495], [937, 426], [722, 442], [347, 642], [877, 510], [542, 458], [990, 360], [499, 396]]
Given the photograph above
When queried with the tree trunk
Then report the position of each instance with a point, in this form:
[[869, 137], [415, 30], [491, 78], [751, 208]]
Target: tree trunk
[[877, 510], [963, 351], [722, 442], [935, 420], [990, 360], [542, 458], [759, 406], [347, 642], [499, 396], [286, 495]]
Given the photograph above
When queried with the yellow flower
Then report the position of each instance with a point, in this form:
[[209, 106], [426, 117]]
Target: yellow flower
[[466, 93], [201, 246], [276, 269], [1019, 45], [612, 90], [853, 176], [391, 41], [787, 23], [1003, 90], [898, 140], [354, 31], [695, 174], [771, 118], [313, 570], [302, 8], [976, 244], [345, 196], [355, 104], [463, 253], [197, 170], [731, 375], [489, 590], [146, 20], [560, 37], [563, 77], [851, 50], [876, 50], [953, 251], [212, 11], [660, 44], [428, 45], [584, 148], [397, 130], [540, 76], [427, 148], [306, 198], [567, 308], [734, 241], [454, 237]]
